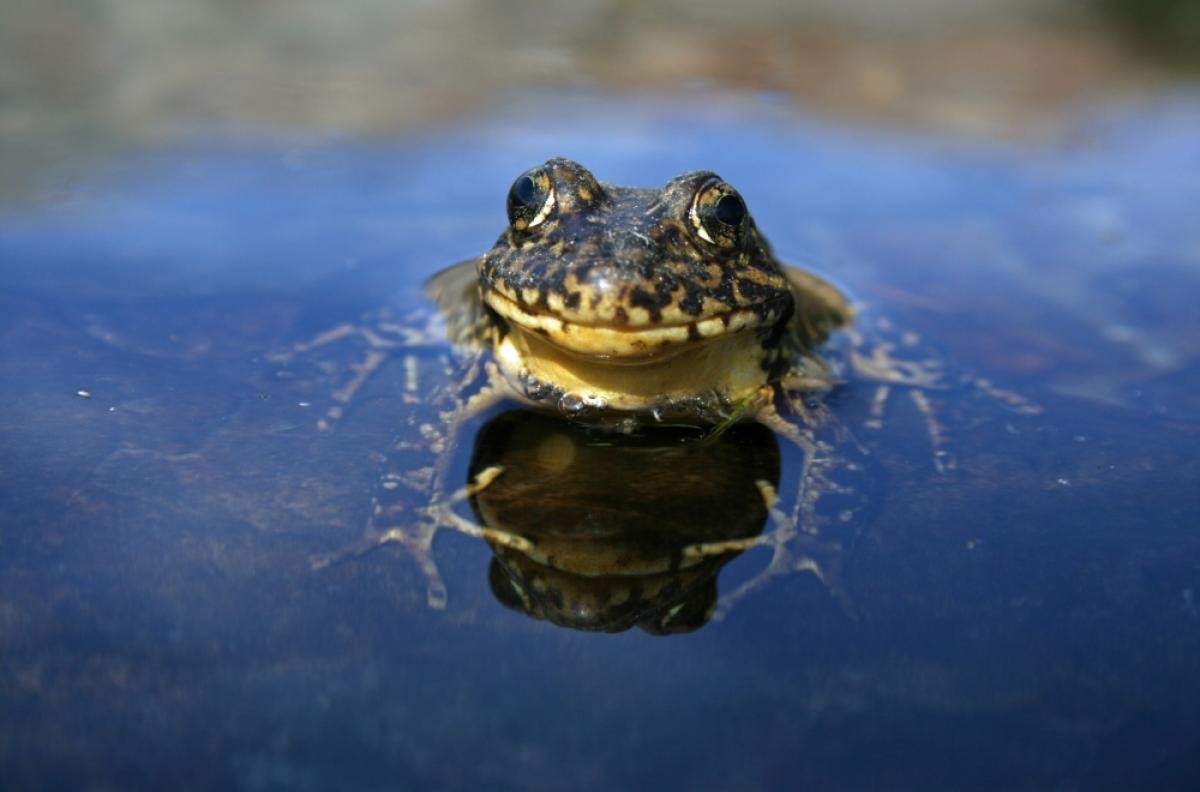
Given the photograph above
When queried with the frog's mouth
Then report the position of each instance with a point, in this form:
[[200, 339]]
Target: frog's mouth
[[604, 340]]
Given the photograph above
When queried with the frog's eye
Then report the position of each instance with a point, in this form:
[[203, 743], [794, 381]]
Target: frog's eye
[[530, 199], [719, 214]]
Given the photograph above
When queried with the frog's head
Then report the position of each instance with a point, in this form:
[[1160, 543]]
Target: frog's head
[[624, 274]]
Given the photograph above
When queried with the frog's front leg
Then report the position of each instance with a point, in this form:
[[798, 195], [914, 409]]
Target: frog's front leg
[[794, 536], [443, 513], [810, 427], [395, 519], [792, 550], [397, 513], [413, 502], [417, 536], [494, 391], [415, 532]]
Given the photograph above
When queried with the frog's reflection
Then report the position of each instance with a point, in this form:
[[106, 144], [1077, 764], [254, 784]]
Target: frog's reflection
[[616, 532]]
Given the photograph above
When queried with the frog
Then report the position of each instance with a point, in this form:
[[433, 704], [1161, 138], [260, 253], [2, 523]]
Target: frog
[[623, 306], [623, 309]]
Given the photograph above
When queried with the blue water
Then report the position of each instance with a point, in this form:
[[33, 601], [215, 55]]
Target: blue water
[[1029, 620]]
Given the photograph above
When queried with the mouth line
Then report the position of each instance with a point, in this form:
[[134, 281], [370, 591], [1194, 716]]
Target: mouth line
[[724, 323]]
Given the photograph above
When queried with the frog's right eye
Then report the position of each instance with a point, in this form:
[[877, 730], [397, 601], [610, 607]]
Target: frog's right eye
[[719, 214], [530, 199]]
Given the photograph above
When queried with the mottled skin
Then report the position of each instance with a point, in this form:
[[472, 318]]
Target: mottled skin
[[630, 257], [607, 302]]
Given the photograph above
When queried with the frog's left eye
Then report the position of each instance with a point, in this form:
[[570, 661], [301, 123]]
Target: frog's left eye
[[719, 214], [530, 199]]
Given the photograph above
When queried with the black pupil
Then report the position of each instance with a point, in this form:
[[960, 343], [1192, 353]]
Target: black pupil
[[524, 191], [730, 210]]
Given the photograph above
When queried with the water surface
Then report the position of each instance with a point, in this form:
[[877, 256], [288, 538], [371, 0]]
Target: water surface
[[1027, 620]]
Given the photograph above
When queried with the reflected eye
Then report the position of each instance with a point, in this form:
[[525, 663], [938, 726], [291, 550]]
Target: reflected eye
[[530, 200], [719, 214]]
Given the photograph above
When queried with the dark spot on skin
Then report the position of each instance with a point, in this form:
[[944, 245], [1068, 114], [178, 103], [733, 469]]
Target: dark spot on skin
[[571, 301], [620, 316], [693, 302], [653, 303], [753, 292], [693, 333], [723, 291]]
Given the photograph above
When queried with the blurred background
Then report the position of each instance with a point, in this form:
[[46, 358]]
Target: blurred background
[[79, 79], [189, 188]]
